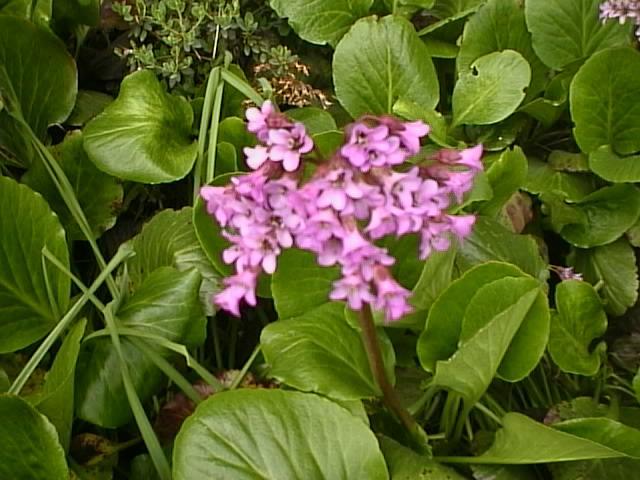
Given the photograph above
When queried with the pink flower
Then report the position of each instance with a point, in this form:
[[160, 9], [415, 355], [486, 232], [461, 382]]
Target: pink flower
[[239, 287]]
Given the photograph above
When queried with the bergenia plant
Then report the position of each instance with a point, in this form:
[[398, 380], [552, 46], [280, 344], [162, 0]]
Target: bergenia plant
[[339, 207]]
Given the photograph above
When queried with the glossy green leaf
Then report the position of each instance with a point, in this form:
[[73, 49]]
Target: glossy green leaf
[[166, 304], [489, 240], [88, 104], [77, 12], [233, 130], [543, 178], [491, 88], [43, 77], [597, 219], [528, 344], [451, 8], [405, 464], [394, 64], [249, 434], [506, 175], [321, 21], [579, 321], [99, 194], [564, 32], [525, 441], [169, 240], [605, 101], [144, 135], [439, 340], [27, 225], [471, 369], [300, 284], [436, 275], [319, 352], [614, 168], [412, 111], [615, 266], [56, 398], [37, 11], [500, 25], [315, 119], [30, 448], [611, 469]]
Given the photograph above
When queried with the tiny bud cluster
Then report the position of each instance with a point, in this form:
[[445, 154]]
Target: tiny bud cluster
[[348, 203]]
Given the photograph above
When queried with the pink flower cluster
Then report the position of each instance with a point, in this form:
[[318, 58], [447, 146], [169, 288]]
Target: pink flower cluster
[[622, 10], [348, 203]]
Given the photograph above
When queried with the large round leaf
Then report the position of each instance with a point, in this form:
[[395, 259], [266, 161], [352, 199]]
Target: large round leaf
[[529, 341], [169, 240], [615, 266], [472, 368], [99, 194], [605, 101], [579, 321], [30, 448], [394, 64], [614, 168], [320, 352], [491, 88], [597, 219], [566, 31], [27, 225], [324, 21], [500, 25], [144, 135], [166, 305], [43, 76], [274, 434], [439, 339]]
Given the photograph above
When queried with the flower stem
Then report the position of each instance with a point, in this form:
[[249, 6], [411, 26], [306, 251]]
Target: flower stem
[[389, 395]]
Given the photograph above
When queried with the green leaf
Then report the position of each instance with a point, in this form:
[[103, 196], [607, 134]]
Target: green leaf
[[439, 340], [489, 240], [315, 119], [394, 64], [451, 8], [37, 11], [542, 178], [27, 225], [77, 12], [597, 219], [615, 266], [579, 321], [435, 277], [169, 240], [88, 105], [99, 194], [30, 448], [486, 340], [564, 32], [605, 101], [525, 441], [614, 168], [504, 472], [412, 111], [43, 76], [405, 464], [321, 21], [319, 352], [167, 305], [248, 434], [234, 131], [300, 284], [611, 469], [491, 88], [56, 399], [144, 135], [500, 25], [506, 175]]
